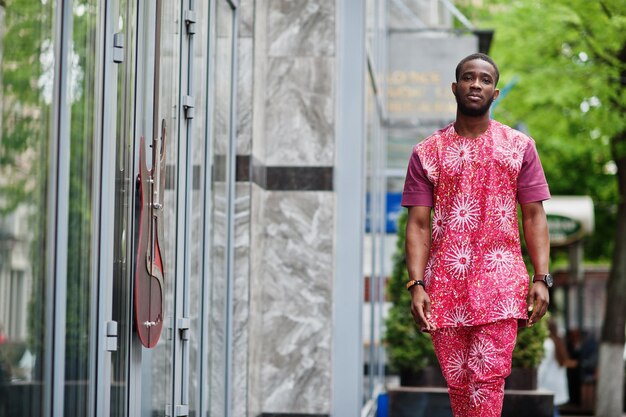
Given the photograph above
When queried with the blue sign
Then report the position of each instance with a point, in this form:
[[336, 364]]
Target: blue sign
[[392, 212]]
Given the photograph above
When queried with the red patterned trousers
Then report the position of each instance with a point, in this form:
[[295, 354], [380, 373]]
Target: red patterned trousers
[[475, 360]]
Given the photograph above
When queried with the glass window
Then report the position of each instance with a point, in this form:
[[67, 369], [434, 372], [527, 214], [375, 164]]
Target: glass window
[[82, 63], [122, 236], [161, 46], [198, 202], [221, 135], [374, 239], [26, 81]]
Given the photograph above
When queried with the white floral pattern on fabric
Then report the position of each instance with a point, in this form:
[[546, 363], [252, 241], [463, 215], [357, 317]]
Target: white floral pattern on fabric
[[478, 394], [499, 259], [506, 309], [439, 225], [458, 369], [514, 154], [482, 356], [431, 169], [459, 153], [457, 317], [506, 213], [465, 214], [428, 271], [459, 259]]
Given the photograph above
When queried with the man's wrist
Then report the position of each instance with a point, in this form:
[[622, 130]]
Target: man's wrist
[[546, 279], [413, 283]]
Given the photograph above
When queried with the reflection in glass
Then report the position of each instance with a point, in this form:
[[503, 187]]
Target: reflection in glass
[[196, 241], [122, 236], [79, 279], [223, 44], [376, 192], [157, 363], [26, 75]]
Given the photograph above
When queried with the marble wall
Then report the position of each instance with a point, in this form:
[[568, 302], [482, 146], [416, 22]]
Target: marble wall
[[289, 111], [290, 301], [294, 82], [241, 308]]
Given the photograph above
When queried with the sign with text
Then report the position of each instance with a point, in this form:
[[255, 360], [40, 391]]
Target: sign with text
[[570, 218], [563, 230], [421, 71], [393, 208]]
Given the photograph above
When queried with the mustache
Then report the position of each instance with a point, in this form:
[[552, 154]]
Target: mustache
[[472, 111]]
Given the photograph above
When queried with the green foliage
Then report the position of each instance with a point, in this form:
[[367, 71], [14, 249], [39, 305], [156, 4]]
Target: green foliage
[[569, 59], [408, 348]]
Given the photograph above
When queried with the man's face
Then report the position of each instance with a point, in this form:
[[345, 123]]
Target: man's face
[[476, 88]]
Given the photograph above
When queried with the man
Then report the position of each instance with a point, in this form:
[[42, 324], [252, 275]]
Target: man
[[468, 282]]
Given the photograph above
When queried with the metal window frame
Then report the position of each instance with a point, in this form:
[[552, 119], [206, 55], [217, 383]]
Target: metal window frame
[[232, 167], [103, 210], [203, 339], [180, 351], [57, 216], [347, 355], [145, 24]]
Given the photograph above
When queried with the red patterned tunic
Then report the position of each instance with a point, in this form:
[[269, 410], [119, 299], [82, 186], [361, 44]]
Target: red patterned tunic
[[475, 273]]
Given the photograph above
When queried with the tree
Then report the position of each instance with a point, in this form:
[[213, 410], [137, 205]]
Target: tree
[[570, 57]]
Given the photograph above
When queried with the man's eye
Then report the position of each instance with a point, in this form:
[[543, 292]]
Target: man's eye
[[486, 80]]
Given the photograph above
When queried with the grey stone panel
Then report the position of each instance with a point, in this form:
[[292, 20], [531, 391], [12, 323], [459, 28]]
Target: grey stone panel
[[291, 301], [244, 96], [300, 112], [301, 28]]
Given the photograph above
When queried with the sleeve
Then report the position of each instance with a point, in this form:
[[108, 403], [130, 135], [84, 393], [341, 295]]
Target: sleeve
[[531, 182], [418, 190]]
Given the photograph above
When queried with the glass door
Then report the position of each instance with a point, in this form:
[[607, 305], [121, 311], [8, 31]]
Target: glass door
[[157, 139], [26, 88]]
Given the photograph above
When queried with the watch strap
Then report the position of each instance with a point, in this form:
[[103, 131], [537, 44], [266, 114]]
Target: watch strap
[[545, 278], [413, 283]]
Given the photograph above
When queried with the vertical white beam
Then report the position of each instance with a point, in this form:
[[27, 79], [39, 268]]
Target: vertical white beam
[[347, 345]]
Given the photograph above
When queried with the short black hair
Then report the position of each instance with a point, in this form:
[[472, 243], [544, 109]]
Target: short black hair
[[472, 57]]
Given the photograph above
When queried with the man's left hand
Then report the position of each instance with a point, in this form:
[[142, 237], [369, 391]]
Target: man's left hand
[[538, 300]]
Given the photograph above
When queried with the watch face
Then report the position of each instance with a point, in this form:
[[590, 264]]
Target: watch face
[[548, 279]]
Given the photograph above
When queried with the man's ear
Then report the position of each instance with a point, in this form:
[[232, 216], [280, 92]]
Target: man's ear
[[496, 94], [453, 88]]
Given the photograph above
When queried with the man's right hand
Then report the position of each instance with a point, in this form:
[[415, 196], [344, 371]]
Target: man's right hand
[[420, 308]]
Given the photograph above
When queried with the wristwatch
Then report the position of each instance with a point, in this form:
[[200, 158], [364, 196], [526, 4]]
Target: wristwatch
[[413, 282], [545, 278]]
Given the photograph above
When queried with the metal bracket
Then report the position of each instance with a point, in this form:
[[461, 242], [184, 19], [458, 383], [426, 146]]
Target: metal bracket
[[190, 21], [179, 410], [111, 336], [183, 327], [118, 48], [188, 106], [169, 323]]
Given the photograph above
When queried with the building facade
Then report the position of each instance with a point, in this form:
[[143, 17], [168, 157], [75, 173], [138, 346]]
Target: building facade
[[183, 190]]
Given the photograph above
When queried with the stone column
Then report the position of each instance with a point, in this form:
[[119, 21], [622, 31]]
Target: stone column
[[292, 207], [245, 64]]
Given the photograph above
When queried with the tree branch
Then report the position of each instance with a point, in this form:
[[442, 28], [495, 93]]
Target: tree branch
[[589, 38], [606, 10]]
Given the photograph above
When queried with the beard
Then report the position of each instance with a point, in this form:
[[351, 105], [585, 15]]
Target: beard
[[472, 111]]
